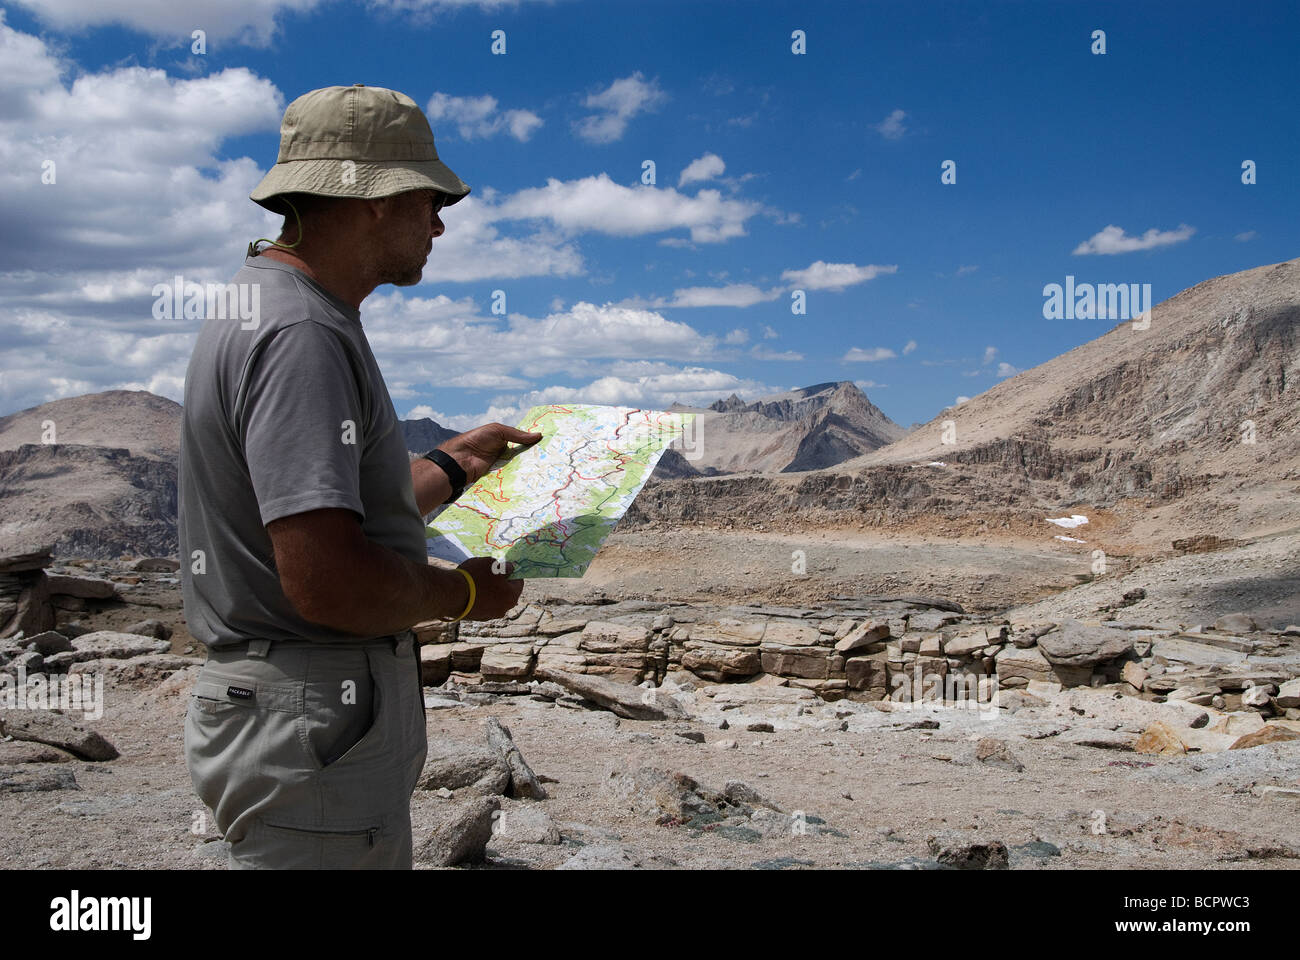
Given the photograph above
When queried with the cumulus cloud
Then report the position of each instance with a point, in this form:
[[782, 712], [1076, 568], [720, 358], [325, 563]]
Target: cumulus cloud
[[733, 295], [769, 333], [834, 276], [892, 128], [858, 355], [760, 352], [909, 347], [1113, 240], [1006, 370], [252, 22], [990, 354], [702, 168], [1245, 237], [600, 205], [691, 385], [478, 118], [615, 106]]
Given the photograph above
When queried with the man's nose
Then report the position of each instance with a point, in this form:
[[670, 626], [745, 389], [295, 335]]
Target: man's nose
[[436, 226]]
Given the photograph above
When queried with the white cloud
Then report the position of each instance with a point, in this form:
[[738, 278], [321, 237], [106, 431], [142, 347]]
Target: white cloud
[[252, 22], [869, 385], [892, 128], [962, 271], [1113, 239], [909, 347], [616, 105], [769, 333], [961, 400], [990, 354], [1245, 237], [760, 352], [694, 386], [834, 276], [600, 205], [733, 295], [858, 355], [478, 117], [736, 336], [1006, 370], [702, 168], [473, 248]]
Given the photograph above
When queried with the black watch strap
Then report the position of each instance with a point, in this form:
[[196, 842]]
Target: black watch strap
[[453, 471]]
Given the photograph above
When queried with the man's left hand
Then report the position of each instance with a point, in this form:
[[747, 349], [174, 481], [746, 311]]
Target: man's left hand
[[478, 449]]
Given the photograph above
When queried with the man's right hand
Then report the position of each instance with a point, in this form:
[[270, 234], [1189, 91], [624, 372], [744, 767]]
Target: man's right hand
[[494, 594]]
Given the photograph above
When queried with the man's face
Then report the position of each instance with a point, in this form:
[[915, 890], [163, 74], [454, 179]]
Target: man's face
[[407, 233]]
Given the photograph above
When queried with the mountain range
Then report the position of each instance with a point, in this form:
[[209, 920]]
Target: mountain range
[[1187, 426]]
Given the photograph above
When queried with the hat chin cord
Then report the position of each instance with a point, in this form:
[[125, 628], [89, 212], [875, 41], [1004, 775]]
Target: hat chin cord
[[252, 246]]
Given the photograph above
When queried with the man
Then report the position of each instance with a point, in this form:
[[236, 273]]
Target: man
[[301, 517]]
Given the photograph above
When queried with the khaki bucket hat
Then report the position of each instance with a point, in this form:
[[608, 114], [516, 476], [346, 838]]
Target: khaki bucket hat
[[357, 141]]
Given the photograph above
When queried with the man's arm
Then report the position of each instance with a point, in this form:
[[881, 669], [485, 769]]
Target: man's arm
[[336, 577]]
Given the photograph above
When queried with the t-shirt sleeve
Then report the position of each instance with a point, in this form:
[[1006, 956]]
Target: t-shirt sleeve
[[301, 424]]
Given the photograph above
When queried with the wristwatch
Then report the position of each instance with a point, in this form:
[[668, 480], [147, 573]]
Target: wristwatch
[[453, 471]]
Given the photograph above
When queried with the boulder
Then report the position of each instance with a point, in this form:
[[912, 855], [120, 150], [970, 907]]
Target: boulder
[[1288, 694], [455, 765], [966, 851], [84, 588], [1236, 623], [863, 636], [1271, 733], [462, 837], [526, 824], [1075, 644], [150, 628], [56, 730], [1160, 738]]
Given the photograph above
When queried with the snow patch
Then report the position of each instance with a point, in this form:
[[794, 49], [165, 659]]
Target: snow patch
[[1077, 520]]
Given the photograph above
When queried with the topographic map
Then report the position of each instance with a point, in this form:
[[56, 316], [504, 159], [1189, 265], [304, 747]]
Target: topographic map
[[549, 508]]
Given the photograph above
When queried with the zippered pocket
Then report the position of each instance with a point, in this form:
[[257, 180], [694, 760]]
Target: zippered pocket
[[367, 832]]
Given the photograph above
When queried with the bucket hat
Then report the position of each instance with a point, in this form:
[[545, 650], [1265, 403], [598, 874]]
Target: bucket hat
[[357, 141]]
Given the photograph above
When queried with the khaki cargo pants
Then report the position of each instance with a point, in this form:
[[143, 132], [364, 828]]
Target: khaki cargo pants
[[308, 753]]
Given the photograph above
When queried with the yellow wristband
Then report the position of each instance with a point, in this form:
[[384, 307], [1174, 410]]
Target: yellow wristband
[[472, 592]]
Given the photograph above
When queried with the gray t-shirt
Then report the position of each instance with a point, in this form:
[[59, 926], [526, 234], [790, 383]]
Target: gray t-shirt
[[265, 434]]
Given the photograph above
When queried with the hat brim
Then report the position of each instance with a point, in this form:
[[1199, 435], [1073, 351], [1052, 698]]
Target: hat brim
[[363, 179]]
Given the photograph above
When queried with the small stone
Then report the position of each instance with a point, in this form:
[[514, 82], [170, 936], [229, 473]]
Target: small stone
[[1160, 739], [995, 753], [1236, 623], [725, 744]]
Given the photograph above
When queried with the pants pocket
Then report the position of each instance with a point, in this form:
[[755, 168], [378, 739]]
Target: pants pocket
[[288, 846], [344, 708]]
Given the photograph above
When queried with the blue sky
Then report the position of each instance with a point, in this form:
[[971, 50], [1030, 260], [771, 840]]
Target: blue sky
[[774, 172]]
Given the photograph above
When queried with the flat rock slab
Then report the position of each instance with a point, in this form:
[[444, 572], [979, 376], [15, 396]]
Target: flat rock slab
[[1075, 644], [106, 644], [622, 699], [86, 588], [32, 779], [56, 730]]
